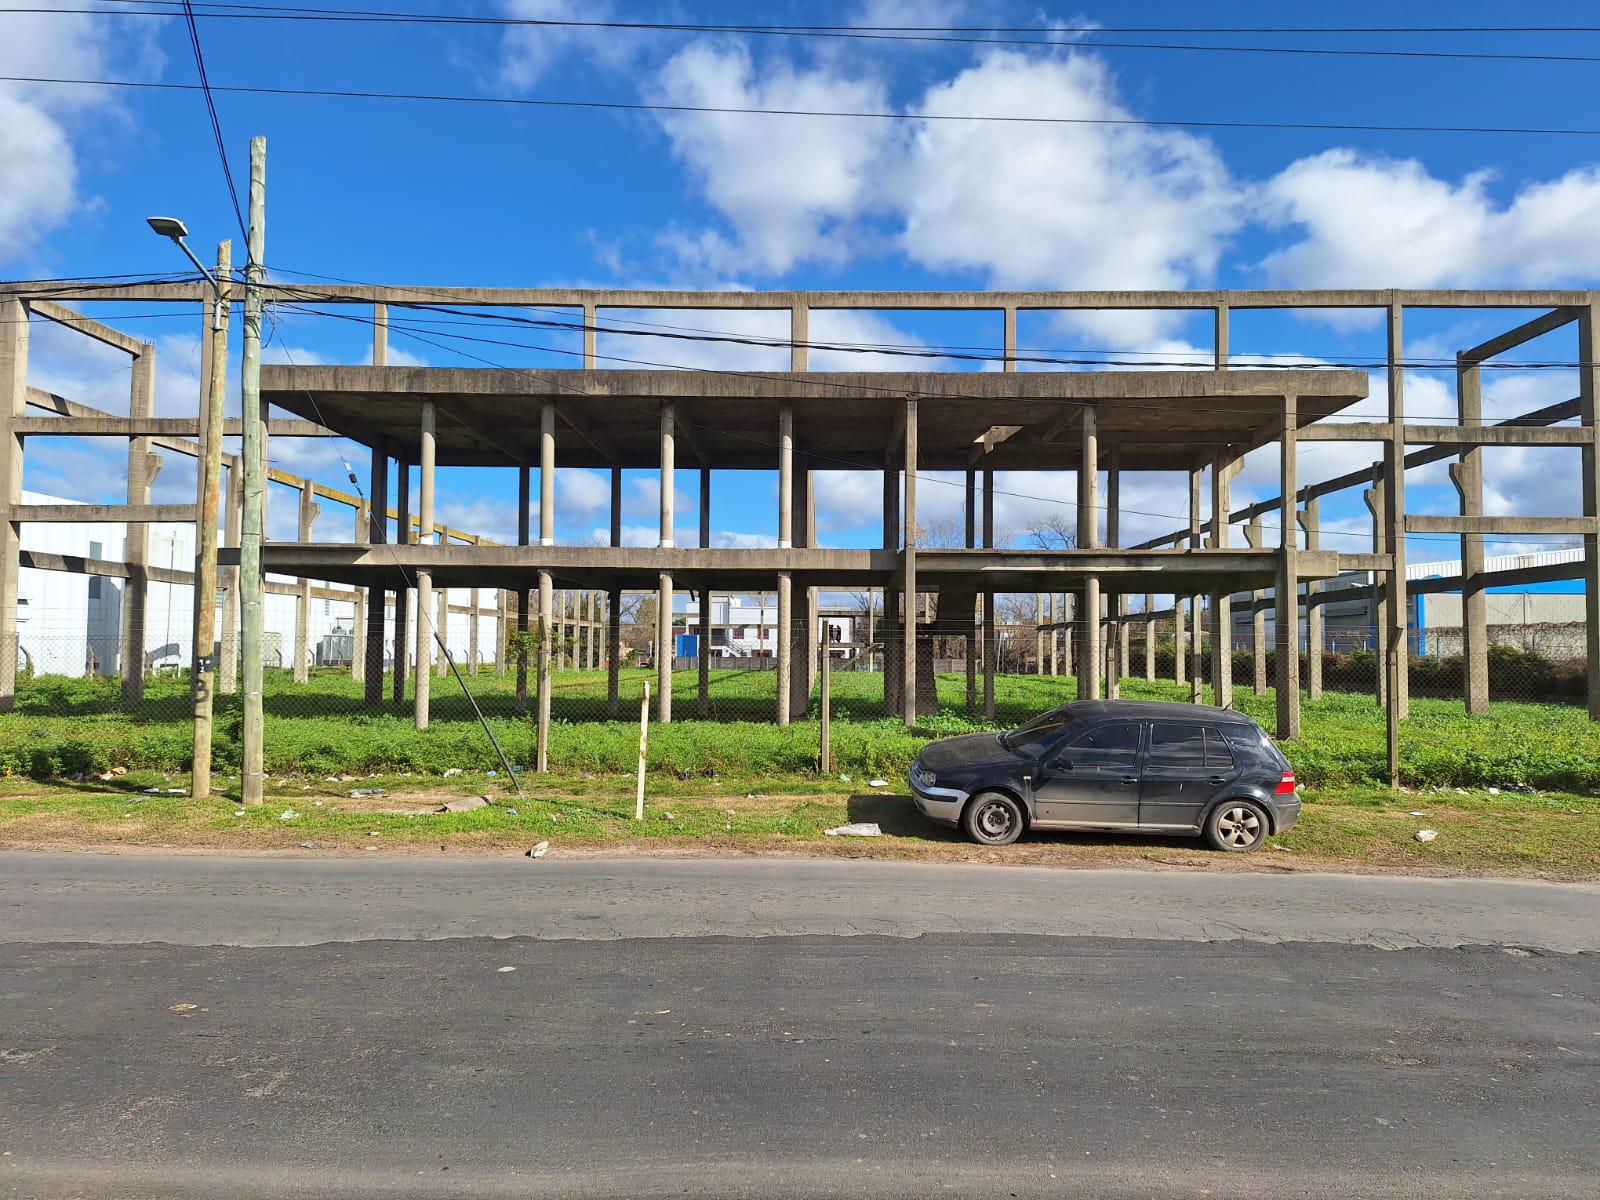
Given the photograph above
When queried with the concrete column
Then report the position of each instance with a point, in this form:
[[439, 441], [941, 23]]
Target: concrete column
[[136, 591], [473, 600], [613, 649], [1220, 336], [1467, 475], [664, 649], [524, 523], [1197, 657], [802, 676], [1258, 617], [704, 697], [1149, 639], [1589, 401], [616, 506], [1069, 613], [561, 635], [405, 608], [307, 518], [1180, 642], [541, 731], [358, 660], [13, 407], [909, 695], [228, 668], [1088, 539], [968, 640], [425, 618], [668, 473], [1374, 499], [1288, 589], [785, 541], [1054, 635], [501, 629], [1398, 667], [547, 475], [1221, 602], [1116, 652], [991, 645], [377, 599], [1041, 615], [888, 627], [441, 624], [1313, 532]]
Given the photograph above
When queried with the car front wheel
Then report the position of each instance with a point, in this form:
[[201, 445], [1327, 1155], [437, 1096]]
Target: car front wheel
[[1237, 826], [993, 819]]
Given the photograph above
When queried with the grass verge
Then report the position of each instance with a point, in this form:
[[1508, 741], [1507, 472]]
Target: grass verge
[[1552, 835]]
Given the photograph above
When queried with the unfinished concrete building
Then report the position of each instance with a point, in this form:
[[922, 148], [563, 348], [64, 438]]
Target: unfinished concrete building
[[1196, 423]]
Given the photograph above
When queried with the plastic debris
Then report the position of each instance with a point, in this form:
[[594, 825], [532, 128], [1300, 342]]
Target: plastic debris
[[669, 816], [538, 851], [1417, 814], [368, 792], [152, 791], [1426, 835], [181, 1008], [452, 771], [844, 779], [288, 814], [492, 774], [505, 970], [465, 804], [855, 829], [1494, 791], [878, 783], [308, 845], [513, 812], [238, 812]]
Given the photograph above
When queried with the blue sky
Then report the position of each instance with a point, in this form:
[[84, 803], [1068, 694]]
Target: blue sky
[[468, 194]]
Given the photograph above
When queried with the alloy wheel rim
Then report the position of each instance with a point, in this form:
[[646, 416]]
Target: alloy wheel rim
[[1239, 826]]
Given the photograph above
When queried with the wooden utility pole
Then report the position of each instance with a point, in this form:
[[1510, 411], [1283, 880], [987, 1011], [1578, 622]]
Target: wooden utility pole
[[251, 581], [205, 557]]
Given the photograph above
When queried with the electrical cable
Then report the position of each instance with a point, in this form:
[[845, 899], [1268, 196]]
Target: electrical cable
[[864, 114], [211, 112]]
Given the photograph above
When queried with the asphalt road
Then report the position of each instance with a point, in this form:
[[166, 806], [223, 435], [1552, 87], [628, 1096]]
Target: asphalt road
[[795, 1057]]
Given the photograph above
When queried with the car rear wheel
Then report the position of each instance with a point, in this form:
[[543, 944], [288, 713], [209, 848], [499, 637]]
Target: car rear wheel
[[993, 819], [1237, 826]]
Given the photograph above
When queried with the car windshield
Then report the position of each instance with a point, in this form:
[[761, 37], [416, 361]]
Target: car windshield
[[1032, 738]]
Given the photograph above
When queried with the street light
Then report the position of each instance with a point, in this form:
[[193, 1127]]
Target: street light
[[176, 230]]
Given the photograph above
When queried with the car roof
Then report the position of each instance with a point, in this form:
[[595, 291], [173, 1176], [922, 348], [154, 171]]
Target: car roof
[[1158, 709]]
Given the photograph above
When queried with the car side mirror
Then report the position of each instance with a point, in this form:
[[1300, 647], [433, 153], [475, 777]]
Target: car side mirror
[[1062, 764]]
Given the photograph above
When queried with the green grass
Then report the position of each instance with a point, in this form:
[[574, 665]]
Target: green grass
[[1547, 834], [66, 727]]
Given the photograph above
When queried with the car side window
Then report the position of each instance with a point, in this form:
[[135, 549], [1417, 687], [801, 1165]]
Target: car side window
[[1175, 745], [1217, 752], [1115, 743]]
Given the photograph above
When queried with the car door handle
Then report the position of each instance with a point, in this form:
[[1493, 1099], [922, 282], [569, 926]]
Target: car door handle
[[1218, 779], [1130, 779]]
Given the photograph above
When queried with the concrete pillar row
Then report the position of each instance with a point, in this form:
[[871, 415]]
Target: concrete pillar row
[[425, 606], [1089, 663]]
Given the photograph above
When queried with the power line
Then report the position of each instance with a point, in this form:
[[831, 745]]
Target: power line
[[863, 114], [1071, 37], [211, 111]]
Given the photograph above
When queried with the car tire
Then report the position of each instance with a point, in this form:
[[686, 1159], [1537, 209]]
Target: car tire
[[993, 819], [1237, 826]]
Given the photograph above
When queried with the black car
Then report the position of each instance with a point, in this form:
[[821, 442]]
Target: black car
[[1129, 766]]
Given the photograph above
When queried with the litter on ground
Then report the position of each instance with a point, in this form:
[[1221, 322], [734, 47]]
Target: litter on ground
[[1426, 835], [855, 829]]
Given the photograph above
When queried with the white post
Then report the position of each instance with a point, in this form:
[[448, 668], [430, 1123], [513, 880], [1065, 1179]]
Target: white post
[[644, 743]]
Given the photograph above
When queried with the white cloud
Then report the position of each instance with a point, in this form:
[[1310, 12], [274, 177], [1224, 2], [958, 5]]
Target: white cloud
[[1060, 206], [790, 187], [1363, 220], [38, 164], [529, 52]]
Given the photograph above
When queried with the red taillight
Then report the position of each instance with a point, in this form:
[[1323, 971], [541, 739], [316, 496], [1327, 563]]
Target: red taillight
[[1285, 784]]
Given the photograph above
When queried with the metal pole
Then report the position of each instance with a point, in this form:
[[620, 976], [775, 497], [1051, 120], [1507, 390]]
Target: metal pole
[[251, 581], [203, 681]]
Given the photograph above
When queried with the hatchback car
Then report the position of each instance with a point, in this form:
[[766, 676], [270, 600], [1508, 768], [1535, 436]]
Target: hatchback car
[[1128, 766]]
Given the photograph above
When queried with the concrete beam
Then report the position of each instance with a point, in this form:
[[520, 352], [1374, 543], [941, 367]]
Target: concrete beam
[[1499, 525]]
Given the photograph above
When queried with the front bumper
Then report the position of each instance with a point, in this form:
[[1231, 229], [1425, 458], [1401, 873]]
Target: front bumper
[[940, 805]]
